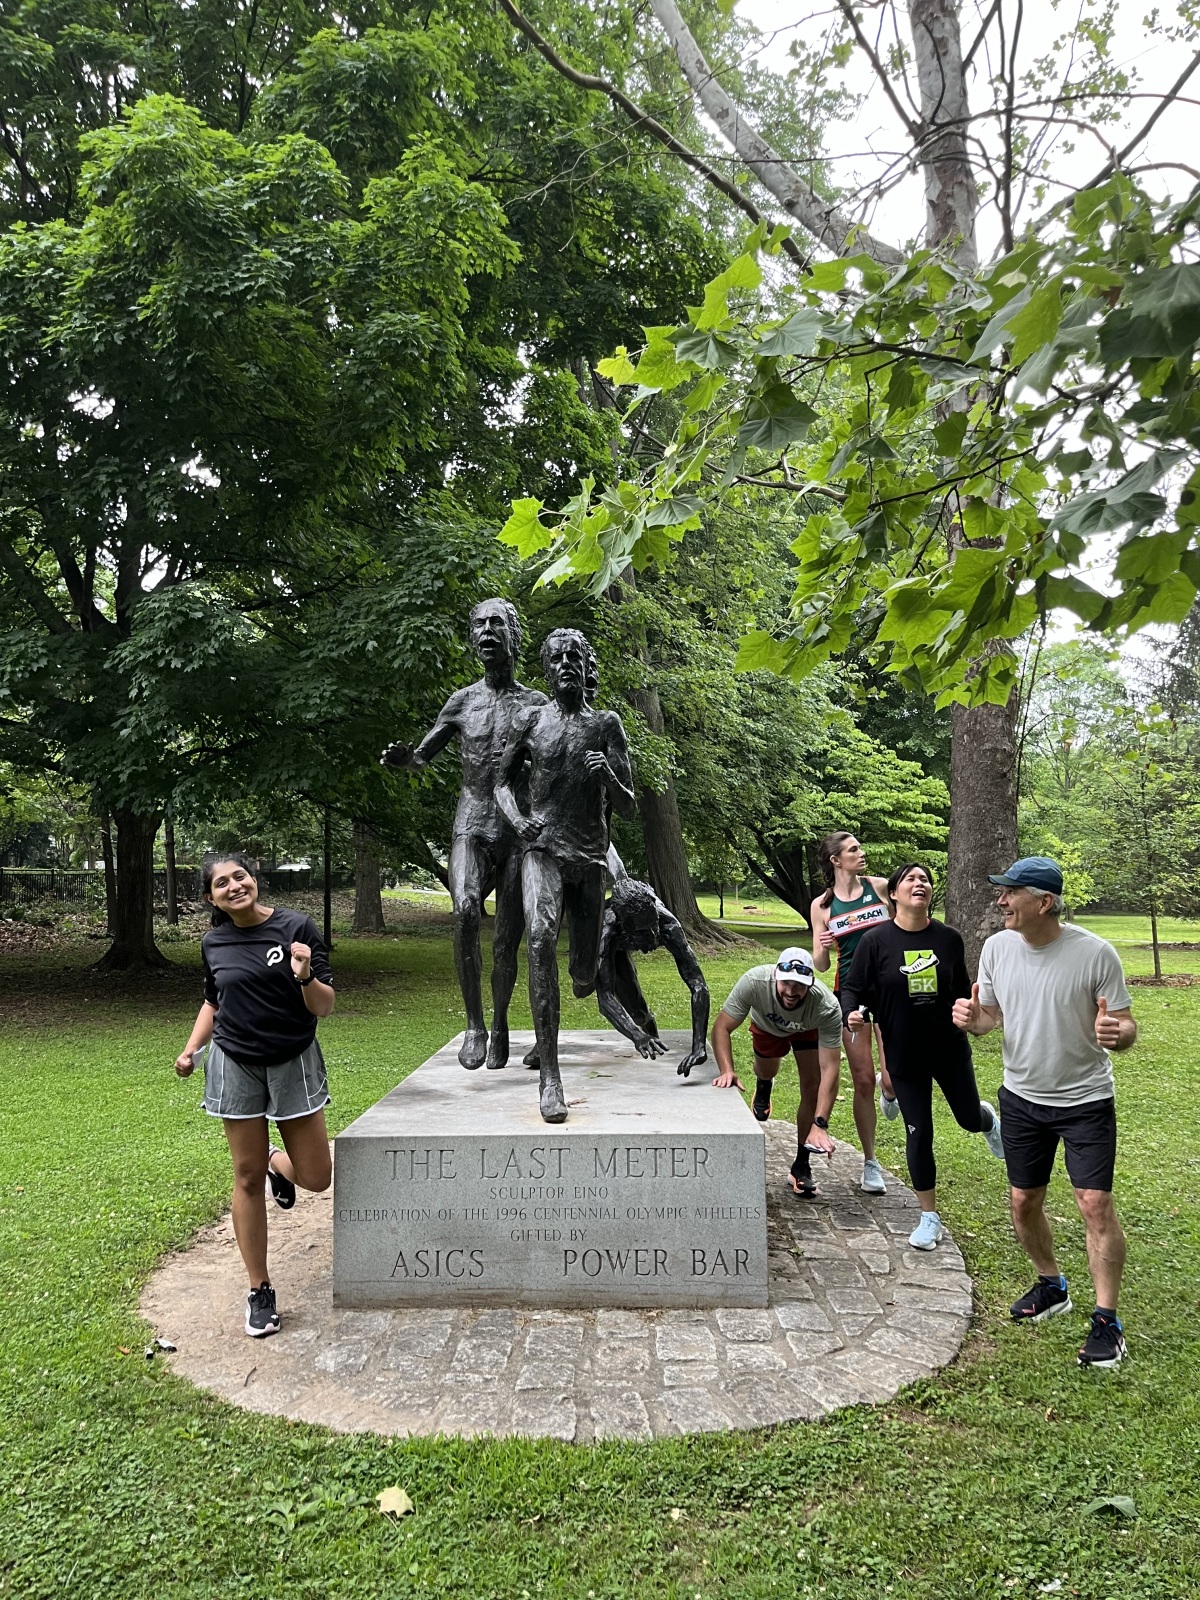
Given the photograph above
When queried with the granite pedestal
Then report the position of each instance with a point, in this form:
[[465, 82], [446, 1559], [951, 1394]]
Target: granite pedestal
[[451, 1190]]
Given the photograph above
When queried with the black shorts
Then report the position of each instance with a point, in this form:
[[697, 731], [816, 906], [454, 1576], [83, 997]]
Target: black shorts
[[1031, 1134]]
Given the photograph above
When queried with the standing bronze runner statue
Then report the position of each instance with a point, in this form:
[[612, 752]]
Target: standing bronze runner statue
[[484, 852], [577, 762]]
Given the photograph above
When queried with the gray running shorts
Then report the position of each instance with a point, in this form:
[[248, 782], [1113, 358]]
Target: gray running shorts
[[294, 1088]]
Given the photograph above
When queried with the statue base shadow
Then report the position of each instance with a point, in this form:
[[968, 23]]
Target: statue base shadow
[[452, 1191]]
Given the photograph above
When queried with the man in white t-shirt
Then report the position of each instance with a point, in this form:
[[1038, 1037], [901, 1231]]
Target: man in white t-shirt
[[1059, 993]]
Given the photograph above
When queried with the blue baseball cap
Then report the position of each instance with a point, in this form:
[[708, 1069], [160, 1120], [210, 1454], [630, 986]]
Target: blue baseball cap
[[794, 966], [1031, 872]]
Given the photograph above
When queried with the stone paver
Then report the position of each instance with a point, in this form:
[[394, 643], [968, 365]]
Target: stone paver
[[854, 1315]]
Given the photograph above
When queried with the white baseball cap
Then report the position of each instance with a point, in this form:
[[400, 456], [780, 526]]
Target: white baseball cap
[[795, 966]]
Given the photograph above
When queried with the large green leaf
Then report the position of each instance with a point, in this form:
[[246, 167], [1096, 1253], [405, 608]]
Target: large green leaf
[[705, 348], [1037, 321], [799, 335], [775, 418], [744, 273], [525, 530]]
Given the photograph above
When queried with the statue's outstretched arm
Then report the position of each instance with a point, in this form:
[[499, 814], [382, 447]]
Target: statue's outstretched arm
[[613, 1011], [671, 934], [407, 759]]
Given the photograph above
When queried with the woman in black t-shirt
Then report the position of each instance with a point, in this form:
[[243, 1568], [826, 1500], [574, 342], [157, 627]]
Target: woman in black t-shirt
[[266, 981], [908, 974]]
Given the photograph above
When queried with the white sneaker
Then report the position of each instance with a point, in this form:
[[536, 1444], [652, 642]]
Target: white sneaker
[[889, 1108], [994, 1142], [927, 1232], [872, 1178]]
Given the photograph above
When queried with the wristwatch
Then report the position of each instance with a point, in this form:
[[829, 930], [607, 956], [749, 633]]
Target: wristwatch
[[821, 1122], [304, 982]]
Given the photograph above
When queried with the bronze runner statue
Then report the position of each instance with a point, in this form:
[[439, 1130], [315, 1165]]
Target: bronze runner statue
[[577, 760], [485, 853], [637, 920]]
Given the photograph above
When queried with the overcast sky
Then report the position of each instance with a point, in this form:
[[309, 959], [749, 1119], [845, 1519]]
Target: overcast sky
[[1143, 50]]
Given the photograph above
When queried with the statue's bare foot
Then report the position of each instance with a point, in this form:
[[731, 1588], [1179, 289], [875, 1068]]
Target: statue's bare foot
[[553, 1101], [474, 1048], [497, 1055], [532, 1059]]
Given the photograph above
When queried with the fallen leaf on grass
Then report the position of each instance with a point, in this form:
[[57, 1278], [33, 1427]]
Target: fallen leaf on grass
[[124, 1350], [394, 1502], [676, 1513], [1050, 1588], [1121, 1504]]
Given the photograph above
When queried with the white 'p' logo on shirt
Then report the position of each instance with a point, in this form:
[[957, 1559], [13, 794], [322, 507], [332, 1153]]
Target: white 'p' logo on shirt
[[274, 955]]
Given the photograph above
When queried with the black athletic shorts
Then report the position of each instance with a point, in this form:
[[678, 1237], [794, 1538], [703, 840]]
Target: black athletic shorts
[[1031, 1135]]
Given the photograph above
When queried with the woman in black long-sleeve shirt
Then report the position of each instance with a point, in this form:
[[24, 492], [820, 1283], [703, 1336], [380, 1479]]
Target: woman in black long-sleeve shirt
[[908, 973]]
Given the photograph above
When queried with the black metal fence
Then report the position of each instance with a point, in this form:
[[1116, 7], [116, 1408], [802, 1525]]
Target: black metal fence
[[26, 886]]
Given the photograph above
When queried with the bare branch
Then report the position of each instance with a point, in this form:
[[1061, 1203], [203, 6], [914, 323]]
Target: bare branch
[[642, 119], [827, 224], [979, 37], [1166, 100], [911, 126]]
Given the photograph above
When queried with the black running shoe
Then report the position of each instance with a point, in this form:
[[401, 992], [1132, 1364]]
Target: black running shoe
[[761, 1104], [1046, 1299], [800, 1178], [283, 1190], [1105, 1343], [261, 1315]]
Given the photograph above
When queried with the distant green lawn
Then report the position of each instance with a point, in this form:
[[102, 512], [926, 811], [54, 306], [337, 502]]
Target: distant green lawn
[[119, 1480]]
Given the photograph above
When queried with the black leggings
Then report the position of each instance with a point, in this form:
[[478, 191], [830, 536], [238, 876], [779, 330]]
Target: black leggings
[[914, 1090]]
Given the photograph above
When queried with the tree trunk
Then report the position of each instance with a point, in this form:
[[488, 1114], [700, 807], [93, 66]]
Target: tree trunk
[[172, 886], [1154, 939], [819, 217], [983, 818], [662, 829], [983, 739], [327, 863], [368, 898], [951, 196], [133, 929], [110, 876], [662, 832]]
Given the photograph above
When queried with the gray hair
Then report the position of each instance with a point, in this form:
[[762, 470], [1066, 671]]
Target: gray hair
[[1057, 904]]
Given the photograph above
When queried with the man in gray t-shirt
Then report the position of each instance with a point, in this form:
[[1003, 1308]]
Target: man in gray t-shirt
[[790, 1012], [1059, 994]]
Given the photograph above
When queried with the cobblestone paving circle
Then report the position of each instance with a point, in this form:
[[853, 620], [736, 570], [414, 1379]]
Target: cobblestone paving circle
[[854, 1314]]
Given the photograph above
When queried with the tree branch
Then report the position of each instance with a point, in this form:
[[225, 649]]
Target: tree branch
[[642, 119], [1132, 145], [822, 219], [31, 591], [911, 127]]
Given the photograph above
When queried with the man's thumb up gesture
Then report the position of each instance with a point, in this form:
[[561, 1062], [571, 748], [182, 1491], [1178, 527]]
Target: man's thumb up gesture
[[1108, 1029], [967, 1012]]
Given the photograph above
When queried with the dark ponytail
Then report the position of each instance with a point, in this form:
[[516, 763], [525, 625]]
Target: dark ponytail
[[830, 846], [206, 878]]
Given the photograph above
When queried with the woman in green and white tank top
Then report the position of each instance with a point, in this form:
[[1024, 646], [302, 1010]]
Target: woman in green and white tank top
[[852, 903]]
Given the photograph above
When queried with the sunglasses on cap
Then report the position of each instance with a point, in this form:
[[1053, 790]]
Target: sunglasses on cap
[[795, 966]]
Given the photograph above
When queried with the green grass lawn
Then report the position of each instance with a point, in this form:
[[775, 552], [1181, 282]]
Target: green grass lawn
[[117, 1479]]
